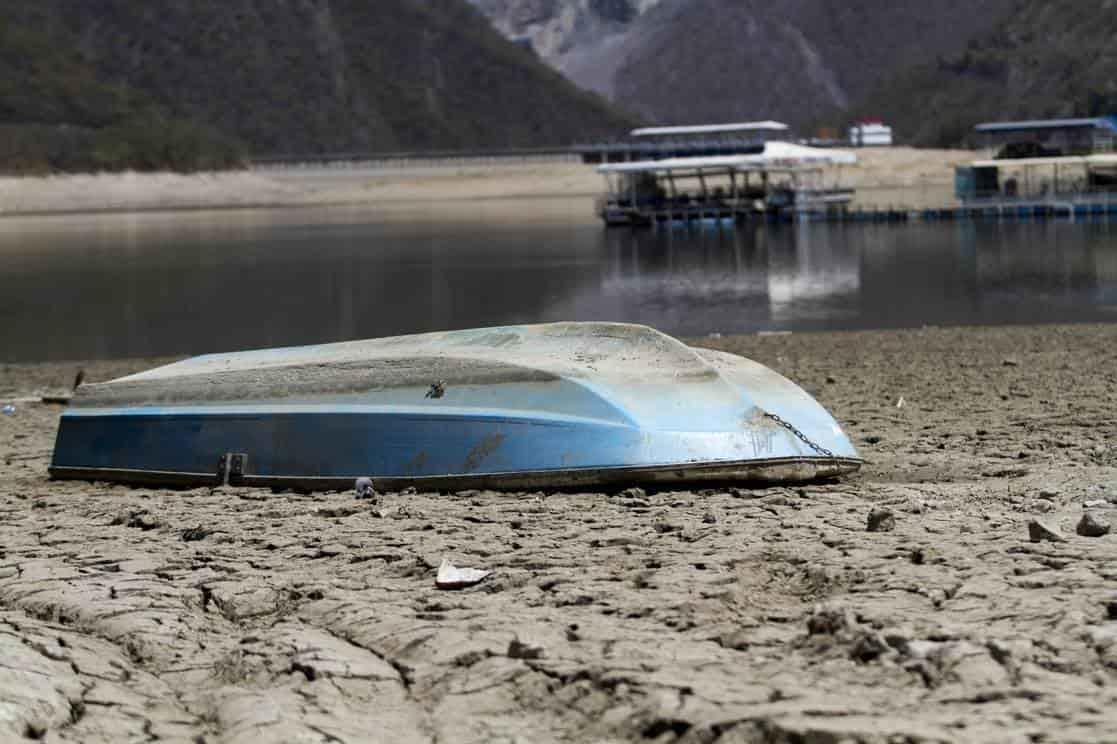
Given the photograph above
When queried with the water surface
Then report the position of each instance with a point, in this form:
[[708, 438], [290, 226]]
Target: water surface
[[82, 287]]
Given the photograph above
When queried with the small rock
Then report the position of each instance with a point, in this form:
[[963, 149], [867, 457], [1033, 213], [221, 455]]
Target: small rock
[[868, 646], [194, 534], [1097, 503], [633, 493], [1010, 362], [365, 489], [1048, 495], [829, 621], [831, 380], [137, 519], [519, 650], [881, 520], [1039, 531], [452, 577], [873, 439], [664, 527], [1091, 525], [709, 518]]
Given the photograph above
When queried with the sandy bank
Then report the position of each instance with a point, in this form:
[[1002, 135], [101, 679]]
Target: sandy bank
[[891, 176], [724, 615]]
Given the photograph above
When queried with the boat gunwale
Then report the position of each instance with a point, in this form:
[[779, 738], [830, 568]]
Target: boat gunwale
[[731, 472]]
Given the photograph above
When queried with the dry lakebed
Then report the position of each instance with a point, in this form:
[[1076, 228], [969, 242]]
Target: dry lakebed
[[962, 587]]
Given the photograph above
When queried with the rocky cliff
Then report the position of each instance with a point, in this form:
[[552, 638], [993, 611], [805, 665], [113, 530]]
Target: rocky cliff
[[686, 61]]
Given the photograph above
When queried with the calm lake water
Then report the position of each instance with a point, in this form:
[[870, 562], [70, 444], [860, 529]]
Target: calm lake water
[[82, 287]]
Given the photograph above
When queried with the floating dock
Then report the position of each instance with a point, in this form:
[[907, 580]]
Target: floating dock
[[1100, 208], [1067, 211]]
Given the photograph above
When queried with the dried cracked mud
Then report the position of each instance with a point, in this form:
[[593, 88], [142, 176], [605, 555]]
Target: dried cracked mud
[[727, 615]]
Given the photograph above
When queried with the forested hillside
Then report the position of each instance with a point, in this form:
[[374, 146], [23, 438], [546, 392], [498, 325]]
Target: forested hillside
[[126, 83], [1050, 58]]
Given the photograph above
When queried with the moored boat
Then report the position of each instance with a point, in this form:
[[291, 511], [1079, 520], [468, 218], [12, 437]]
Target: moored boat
[[556, 405]]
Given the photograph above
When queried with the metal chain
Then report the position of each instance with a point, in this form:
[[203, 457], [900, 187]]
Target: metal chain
[[820, 450]]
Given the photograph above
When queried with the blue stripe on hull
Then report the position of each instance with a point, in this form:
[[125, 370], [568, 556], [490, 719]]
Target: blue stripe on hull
[[348, 444]]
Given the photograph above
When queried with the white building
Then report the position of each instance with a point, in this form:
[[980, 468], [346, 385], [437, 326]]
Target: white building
[[870, 133]]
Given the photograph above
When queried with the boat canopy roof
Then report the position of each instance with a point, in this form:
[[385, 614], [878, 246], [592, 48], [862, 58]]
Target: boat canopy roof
[[1104, 160], [744, 126], [1035, 124], [776, 156]]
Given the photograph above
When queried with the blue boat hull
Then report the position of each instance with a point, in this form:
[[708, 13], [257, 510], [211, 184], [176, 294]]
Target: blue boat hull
[[543, 429]]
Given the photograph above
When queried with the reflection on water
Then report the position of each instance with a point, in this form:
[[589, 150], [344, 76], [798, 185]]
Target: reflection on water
[[131, 285]]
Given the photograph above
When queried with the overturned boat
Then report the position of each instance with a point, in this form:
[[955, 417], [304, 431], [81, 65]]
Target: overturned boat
[[557, 405]]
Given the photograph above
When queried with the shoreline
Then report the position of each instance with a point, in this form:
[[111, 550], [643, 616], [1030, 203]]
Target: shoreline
[[921, 176], [768, 613]]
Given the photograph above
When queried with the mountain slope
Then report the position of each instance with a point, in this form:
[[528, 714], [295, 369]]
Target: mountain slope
[[1050, 58], [688, 61], [294, 77], [57, 114]]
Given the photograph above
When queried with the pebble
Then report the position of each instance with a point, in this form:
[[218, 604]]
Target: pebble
[[1091, 525], [1039, 531], [138, 519], [520, 650], [195, 534], [881, 520], [364, 488], [829, 621]]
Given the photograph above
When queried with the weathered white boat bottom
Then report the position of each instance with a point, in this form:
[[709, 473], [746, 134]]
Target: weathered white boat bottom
[[748, 472], [564, 405]]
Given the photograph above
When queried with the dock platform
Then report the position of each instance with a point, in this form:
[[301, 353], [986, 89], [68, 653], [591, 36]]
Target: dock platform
[[1105, 209], [1053, 210]]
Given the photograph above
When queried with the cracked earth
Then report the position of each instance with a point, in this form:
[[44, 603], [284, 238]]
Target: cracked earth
[[730, 615]]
